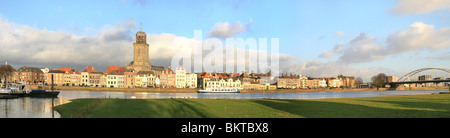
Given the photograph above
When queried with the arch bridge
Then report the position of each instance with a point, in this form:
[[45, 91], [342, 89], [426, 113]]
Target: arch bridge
[[428, 76]]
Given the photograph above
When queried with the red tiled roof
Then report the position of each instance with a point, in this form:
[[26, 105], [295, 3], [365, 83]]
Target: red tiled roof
[[180, 68], [65, 69], [89, 69], [112, 68], [168, 71], [70, 70], [205, 75]]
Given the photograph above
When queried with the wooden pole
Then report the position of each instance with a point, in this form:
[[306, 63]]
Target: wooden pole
[[5, 80], [53, 114], [53, 105], [52, 82]]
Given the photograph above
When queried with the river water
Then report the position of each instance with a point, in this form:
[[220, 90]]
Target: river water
[[27, 107]]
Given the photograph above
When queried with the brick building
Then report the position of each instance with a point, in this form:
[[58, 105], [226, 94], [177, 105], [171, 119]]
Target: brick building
[[31, 75]]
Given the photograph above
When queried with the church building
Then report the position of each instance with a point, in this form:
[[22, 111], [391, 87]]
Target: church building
[[140, 54]]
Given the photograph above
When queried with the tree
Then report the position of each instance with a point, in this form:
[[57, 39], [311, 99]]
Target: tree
[[358, 81], [379, 79], [6, 70]]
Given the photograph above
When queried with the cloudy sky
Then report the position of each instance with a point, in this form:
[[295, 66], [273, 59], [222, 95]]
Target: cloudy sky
[[318, 38]]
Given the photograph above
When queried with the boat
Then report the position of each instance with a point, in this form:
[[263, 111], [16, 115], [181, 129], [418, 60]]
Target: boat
[[10, 88], [42, 93], [220, 90], [5, 90]]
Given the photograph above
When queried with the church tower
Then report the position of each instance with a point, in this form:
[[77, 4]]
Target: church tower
[[141, 60]]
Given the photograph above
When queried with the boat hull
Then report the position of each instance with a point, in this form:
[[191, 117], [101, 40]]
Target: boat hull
[[6, 90], [44, 94]]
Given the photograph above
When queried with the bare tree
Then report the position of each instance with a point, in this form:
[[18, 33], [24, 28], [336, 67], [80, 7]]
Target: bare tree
[[358, 82], [379, 80], [6, 70]]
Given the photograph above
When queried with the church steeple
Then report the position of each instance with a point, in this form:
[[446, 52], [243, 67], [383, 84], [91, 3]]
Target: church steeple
[[141, 60], [141, 37]]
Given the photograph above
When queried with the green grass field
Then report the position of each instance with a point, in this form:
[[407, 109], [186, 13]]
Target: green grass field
[[412, 106]]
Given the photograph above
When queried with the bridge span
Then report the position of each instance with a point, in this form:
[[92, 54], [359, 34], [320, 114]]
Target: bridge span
[[424, 76]]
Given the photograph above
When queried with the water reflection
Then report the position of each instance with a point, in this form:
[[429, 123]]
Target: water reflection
[[27, 107]]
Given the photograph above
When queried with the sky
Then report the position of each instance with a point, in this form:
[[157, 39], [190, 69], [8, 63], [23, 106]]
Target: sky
[[317, 38]]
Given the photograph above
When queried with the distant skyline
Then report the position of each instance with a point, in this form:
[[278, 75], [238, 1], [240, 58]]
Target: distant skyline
[[318, 38]]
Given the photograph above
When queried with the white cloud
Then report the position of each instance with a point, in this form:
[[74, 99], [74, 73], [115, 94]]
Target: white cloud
[[326, 54], [225, 29], [23, 45], [361, 49], [339, 34], [338, 47], [418, 36], [420, 6]]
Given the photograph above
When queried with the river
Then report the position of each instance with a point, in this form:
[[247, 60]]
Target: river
[[27, 107]]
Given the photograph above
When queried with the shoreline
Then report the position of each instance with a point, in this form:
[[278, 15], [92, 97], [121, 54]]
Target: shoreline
[[194, 90]]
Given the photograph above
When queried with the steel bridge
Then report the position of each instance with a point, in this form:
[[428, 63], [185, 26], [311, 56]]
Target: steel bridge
[[424, 75]]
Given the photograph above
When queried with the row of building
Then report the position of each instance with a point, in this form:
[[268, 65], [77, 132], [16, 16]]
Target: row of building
[[303, 82], [120, 77]]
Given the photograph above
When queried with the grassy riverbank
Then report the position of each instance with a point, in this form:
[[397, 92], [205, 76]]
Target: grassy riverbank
[[412, 106]]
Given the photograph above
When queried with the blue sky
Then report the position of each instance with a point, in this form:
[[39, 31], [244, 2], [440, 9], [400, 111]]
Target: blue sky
[[306, 28]]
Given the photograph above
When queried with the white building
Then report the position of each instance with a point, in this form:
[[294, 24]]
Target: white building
[[115, 79], [322, 83], [302, 82], [45, 70], [85, 78], [151, 80], [336, 82], [191, 80], [223, 83], [157, 82], [180, 77]]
